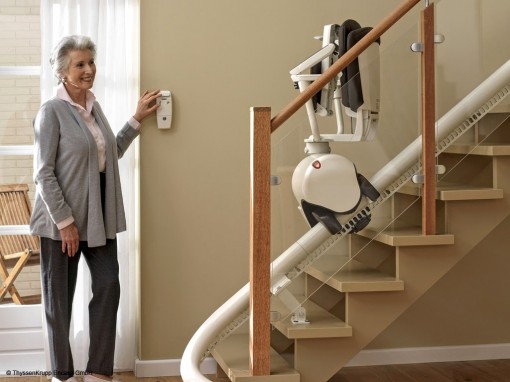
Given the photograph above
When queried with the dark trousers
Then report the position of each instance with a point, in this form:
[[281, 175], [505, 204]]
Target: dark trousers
[[58, 274]]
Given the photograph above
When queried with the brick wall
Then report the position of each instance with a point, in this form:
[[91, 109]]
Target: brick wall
[[20, 45]]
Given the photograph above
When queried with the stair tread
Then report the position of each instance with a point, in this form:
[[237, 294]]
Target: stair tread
[[453, 191], [352, 276], [232, 355], [397, 235], [322, 323], [492, 149]]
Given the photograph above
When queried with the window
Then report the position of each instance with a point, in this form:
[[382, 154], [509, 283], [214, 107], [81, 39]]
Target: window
[[116, 26], [21, 334], [20, 52]]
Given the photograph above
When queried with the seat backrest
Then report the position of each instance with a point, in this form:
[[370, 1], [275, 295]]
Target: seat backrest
[[352, 80], [15, 209], [359, 80]]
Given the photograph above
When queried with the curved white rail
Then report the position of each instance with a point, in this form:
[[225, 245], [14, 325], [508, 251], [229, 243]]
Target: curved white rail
[[461, 112], [205, 335]]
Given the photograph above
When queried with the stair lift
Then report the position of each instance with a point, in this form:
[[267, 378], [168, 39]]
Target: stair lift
[[327, 185]]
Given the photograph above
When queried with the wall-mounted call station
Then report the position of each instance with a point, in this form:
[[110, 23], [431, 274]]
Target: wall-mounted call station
[[164, 111]]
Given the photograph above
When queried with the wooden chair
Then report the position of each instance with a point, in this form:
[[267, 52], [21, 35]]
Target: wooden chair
[[16, 251]]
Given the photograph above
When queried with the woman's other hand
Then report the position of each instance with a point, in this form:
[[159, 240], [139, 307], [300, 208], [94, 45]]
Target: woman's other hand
[[146, 105], [70, 239]]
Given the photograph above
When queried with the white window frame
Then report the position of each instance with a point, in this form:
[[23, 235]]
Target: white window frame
[[21, 323], [20, 70], [17, 149]]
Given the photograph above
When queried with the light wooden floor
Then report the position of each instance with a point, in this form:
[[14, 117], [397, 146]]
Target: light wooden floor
[[476, 371]]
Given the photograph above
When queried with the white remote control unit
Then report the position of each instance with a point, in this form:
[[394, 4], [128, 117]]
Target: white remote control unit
[[164, 111]]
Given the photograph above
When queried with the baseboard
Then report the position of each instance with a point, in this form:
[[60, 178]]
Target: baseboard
[[431, 354], [14, 363], [169, 367]]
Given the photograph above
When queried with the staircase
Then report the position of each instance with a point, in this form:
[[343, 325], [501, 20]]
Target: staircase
[[351, 297]]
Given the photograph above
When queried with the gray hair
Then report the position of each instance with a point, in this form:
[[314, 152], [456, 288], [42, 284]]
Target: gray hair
[[59, 59]]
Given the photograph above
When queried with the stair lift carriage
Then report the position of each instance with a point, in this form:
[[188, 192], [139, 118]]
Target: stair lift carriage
[[327, 185]]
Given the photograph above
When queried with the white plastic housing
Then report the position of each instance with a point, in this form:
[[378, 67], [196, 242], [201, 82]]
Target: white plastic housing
[[164, 111], [327, 180]]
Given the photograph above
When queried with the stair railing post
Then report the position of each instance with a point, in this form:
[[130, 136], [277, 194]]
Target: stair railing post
[[428, 121], [260, 231]]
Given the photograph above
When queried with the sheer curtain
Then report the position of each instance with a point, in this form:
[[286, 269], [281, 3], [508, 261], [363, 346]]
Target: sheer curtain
[[114, 26]]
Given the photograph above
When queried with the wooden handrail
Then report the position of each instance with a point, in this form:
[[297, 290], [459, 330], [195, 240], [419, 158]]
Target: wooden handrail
[[341, 63]]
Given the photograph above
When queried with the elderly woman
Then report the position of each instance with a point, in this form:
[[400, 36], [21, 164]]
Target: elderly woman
[[78, 208]]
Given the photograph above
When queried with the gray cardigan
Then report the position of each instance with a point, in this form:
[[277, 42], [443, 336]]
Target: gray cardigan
[[66, 174]]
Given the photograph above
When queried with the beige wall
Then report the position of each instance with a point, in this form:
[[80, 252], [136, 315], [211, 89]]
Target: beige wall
[[219, 59]]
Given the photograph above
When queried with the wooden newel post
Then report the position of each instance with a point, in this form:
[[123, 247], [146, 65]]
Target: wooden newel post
[[428, 122], [260, 230]]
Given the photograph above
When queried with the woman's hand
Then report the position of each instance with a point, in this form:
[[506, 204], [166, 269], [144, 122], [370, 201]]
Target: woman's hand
[[146, 105], [70, 239]]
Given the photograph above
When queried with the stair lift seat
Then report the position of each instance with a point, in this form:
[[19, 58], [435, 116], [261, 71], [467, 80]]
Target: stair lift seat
[[328, 185], [358, 86]]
